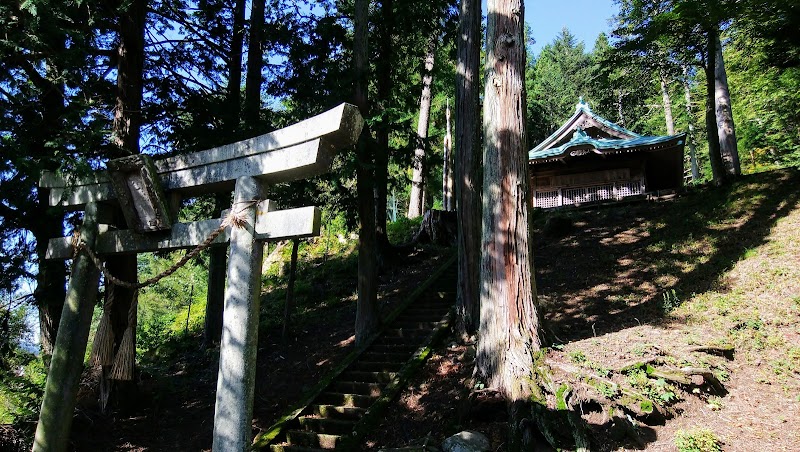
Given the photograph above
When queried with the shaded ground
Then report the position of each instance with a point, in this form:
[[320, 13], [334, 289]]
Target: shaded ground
[[646, 281], [174, 407], [720, 266]]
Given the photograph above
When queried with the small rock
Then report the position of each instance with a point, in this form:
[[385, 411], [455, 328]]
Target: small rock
[[466, 441]]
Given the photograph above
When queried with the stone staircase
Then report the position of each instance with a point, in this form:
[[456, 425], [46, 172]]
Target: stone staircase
[[350, 400]]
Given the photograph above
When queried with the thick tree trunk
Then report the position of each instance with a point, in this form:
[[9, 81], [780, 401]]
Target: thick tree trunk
[[725, 127], [46, 223], [234, 87], [255, 62], [384, 67], [717, 165], [218, 256], [510, 321], [467, 165], [690, 116], [217, 267], [128, 110], [447, 166], [416, 203], [126, 132], [667, 106], [367, 320], [509, 331]]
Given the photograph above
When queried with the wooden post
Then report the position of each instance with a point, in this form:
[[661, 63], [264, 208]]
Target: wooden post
[[233, 413], [55, 418]]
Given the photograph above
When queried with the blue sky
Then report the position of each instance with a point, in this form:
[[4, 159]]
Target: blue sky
[[585, 19]]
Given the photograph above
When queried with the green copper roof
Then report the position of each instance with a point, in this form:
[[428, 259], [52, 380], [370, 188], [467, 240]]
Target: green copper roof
[[582, 141]]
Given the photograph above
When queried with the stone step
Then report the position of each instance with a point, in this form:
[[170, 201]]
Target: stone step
[[385, 357], [288, 448], [417, 318], [397, 340], [355, 387], [345, 399], [393, 348], [327, 426], [415, 325], [311, 439], [337, 412], [370, 366], [368, 376], [413, 335]]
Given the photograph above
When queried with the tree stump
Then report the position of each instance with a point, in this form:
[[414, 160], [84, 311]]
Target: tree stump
[[438, 227]]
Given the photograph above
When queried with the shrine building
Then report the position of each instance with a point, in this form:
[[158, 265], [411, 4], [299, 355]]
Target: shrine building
[[591, 159]]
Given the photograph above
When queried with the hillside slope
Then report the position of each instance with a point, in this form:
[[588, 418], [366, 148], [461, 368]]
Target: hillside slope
[[649, 283]]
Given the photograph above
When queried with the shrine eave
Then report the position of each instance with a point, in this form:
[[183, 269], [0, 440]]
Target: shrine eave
[[583, 117], [583, 145]]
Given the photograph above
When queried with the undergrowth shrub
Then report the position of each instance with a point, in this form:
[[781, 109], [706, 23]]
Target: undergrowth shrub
[[402, 230], [697, 440]]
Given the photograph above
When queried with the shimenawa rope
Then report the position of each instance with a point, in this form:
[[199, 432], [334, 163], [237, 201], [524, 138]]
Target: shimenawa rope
[[103, 347]]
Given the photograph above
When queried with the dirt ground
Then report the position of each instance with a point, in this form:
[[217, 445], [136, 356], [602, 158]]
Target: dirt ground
[[617, 284], [654, 281]]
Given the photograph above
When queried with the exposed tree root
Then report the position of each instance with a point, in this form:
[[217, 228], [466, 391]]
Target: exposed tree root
[[571, 400]]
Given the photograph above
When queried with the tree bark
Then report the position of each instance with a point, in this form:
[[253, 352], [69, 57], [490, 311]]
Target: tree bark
[[667, 106], [690, 116], [447, 166], [717, 166], [416, 203], [217, 268], [44, 222], [467, 164], [130, 68], [218, 256], [126, 132], [288, 307], [384, 67], [509, 329], [725, 127], [367, 320], [255, 62], [234, 87]]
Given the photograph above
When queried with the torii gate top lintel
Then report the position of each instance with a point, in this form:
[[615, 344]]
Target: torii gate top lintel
[[295, 152], [299, 151]]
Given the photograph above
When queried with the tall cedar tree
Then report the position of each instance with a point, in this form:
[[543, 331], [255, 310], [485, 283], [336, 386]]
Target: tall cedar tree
[[126, 133], [385, 85], [467, 164], [416, 203], [509, 326], [367, 320], [688, 27], [217, 265], [727, 130]]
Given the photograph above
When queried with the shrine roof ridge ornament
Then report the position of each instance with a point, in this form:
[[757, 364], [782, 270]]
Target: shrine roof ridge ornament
[[302, 150], [583, 114], [572, 139]]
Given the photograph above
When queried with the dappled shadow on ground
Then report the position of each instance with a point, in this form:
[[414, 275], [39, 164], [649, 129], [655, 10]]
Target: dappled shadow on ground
[[628, 265], [174, 405]]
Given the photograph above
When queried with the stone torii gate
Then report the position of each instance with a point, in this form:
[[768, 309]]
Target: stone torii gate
[[146, 190]]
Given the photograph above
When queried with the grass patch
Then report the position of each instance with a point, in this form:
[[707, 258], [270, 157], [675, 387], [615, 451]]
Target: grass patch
[[697, 440]]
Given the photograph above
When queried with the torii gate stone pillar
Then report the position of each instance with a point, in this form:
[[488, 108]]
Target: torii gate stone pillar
[[140, 186], [233, 412]]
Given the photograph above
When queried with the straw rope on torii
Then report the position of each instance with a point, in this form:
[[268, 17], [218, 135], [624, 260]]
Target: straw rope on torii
[[123, 364]]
